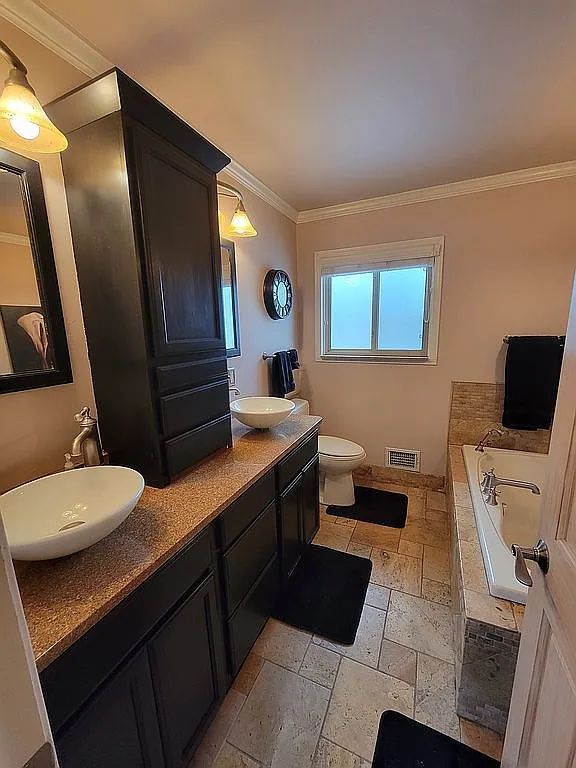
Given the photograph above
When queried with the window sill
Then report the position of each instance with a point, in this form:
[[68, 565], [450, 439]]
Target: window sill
[[376, 360]]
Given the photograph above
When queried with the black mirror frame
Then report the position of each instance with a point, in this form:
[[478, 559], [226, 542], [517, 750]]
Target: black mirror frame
[[229, 246], [45, 268]]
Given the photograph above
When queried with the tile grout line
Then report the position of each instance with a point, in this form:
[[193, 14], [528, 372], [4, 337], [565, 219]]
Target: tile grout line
[[321, 734]]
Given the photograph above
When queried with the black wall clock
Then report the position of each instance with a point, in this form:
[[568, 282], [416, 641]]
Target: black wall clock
[[277, 294]]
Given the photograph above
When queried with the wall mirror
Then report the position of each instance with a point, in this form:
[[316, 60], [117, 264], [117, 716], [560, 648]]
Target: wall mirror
[[33, 347], [230, 298]]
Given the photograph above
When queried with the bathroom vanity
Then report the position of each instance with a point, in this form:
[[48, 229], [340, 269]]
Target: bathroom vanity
[[138, 638]]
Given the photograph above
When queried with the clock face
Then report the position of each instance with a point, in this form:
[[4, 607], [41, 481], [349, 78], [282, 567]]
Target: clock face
[[277, 294]]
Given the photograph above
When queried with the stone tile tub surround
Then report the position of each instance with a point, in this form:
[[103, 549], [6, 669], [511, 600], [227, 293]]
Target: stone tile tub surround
[[477, 407], [63, 598], [301, 701], [486, 628]]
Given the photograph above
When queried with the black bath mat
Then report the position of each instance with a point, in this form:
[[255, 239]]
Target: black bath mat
[[375, 506], [326, 593], [404, 743]]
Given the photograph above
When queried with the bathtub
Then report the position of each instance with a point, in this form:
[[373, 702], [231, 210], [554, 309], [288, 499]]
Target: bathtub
[[516, 518]]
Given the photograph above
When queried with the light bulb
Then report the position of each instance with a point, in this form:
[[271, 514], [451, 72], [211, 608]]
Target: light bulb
[[25, 128]]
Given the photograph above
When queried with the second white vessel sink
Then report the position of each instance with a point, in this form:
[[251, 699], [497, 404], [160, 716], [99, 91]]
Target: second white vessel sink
[[261, 412], [69, 511]]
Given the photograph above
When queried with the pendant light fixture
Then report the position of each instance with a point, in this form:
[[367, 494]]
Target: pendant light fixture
[[23, 123], [240, 225]]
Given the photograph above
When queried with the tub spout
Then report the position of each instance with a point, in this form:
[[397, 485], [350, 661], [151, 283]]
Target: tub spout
[[490, 482]]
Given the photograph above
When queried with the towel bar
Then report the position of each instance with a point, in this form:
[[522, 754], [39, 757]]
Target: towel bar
[[561, 339]]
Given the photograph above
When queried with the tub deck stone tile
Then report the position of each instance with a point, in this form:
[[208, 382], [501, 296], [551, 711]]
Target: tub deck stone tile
[[486, 628]]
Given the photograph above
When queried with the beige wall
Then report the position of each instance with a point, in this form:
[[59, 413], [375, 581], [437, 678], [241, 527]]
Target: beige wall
[[37, 427], [275, 247], [508, 264]]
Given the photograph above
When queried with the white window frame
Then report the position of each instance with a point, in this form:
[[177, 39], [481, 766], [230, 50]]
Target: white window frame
[[428, 250]]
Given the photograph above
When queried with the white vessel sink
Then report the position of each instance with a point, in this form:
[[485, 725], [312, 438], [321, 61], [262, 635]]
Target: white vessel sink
[[261, 412], [64, 513]]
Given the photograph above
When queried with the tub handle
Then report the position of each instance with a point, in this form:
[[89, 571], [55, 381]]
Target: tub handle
[[538, 554]]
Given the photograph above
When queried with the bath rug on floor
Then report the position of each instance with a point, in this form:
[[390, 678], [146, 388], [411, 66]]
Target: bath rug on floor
[[326, 593], [404, 743], [375, 506]]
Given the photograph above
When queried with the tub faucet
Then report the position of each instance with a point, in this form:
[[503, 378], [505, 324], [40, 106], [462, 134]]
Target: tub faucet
[[490, 483], [86, 448], [486, 437], [234, 390]]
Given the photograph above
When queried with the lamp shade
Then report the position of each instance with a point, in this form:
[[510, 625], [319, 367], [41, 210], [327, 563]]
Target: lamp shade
[[240, 225], [23, 123]]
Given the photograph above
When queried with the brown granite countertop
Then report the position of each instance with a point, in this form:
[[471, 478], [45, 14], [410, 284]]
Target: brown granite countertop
[[63, 598]]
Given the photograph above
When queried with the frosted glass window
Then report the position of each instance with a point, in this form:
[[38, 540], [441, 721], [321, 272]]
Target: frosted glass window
[[402, 308], [380, 302], [351, 311]]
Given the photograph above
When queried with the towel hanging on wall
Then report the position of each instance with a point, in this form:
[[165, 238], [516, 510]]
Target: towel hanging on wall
[[294, 361], [532, 375], [282, 379]]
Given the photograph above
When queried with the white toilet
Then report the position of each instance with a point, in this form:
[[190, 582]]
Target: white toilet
[[338, 460]]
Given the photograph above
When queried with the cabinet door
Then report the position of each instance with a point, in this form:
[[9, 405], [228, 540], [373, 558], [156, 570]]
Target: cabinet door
[[188, 668], [179, 237], [291, 526], [118, 727], [310, 501]]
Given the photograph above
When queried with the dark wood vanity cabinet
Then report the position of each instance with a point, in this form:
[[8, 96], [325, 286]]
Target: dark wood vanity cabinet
[[142, 199], [140, 688], [186, 669], [298, 503], [177, 207], [119, 727]]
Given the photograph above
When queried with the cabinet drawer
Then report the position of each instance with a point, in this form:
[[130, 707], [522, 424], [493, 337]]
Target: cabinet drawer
[[245, 560], [186, 410], [184, 451], [171, 378], [289, 467], [238, 516], [74, 676], [251, 615]]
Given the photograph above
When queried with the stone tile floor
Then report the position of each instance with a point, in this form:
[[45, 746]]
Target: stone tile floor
[[301, 701]]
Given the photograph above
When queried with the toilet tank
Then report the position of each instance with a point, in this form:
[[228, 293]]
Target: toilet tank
[[302, 407]]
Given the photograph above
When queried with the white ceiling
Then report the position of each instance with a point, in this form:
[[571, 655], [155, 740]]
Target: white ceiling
[[328, 101]]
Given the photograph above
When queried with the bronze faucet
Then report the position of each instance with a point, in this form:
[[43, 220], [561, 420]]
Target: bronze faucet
[[86, 448]]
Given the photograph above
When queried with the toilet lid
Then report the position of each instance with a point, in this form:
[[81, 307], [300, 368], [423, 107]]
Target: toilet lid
[[338, 447]]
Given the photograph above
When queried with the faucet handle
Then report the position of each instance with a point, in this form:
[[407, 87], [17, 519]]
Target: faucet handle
[[84, 418]]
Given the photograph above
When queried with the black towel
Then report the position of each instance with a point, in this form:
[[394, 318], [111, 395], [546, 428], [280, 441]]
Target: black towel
[[294, 358], [282, 378], [532, 374]]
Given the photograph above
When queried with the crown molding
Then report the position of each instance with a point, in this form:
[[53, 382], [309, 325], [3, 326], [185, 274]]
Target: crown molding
[[8, 238], [53, 34], [425, 195], [257, 187]]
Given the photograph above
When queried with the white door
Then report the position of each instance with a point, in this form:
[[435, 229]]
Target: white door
[[542, 723], [25, 738]]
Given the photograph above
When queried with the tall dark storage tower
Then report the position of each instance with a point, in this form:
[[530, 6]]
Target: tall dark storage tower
[[141, 188]]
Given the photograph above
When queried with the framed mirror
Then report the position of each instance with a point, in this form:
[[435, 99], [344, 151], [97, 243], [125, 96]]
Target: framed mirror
[[33, 347], [230, 298]]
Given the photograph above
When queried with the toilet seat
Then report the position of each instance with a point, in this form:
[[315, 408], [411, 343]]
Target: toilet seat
[[339, 448]]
